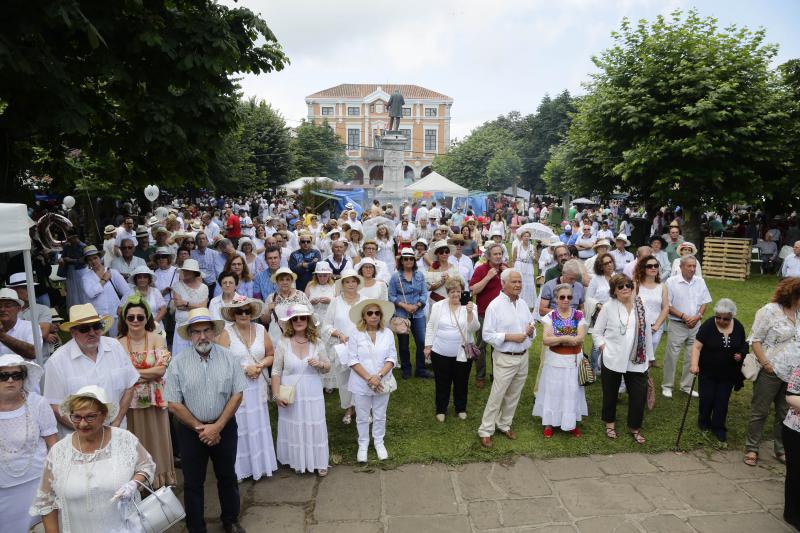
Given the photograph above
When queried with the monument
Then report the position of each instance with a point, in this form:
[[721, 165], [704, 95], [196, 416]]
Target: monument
[[393, 143]]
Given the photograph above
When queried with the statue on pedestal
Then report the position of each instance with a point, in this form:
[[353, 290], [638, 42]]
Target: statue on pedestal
[[395, 105]]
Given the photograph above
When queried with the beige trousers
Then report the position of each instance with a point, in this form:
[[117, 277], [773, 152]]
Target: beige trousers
[[510, 373]]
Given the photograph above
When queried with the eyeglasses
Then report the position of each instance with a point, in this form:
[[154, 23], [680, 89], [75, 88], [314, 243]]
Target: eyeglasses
[[135, 318], [242, 311], [443, 251], [85, 329], [76, 419], [565, 297], [305, 242], [626, 285], [126, 247], [651, 265], [301, 318], [19, 375], [372, 313], [723, 318]]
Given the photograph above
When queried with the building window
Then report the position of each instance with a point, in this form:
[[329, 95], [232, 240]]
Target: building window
[[430, 111], [353, 138], [327, 111], [407, 134], [430, 140], [406, 111], [353, 111]]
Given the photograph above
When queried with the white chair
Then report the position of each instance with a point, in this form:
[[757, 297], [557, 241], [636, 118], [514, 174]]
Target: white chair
[[755, 258]]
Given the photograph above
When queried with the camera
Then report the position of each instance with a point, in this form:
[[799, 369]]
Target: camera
[[466, 296]]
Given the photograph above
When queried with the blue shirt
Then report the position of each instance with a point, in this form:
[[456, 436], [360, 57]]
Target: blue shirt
[[263, 285], [304, 273], [410, 292], [207, 262], [568, 238]]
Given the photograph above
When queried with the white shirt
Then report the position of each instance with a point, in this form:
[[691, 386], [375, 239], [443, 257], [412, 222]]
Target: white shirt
[[687, 296], [504, 316], [586, 241], [621, 259], [105, 298], [22, 331], [371, 356], [211, 231], [464, 265], [615, 330], [791, 267], [605, 234], [122, 233], [126, 269], [445, 336], [676, 269], [422, 214]]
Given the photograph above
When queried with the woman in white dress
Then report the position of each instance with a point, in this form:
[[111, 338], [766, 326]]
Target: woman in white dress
[[248, 340], [498, 225], [109, 242], [383, 236], [523, 255], [653, 293], [27, 430], [90, 476], [440, 271], [227, 281], [247, 247], [279, 301], [336, 331], [373, 289], [299, 360], [372, 357], [189, 293], [104, 288], [356, 239], [321, 292], [403, 235], [560, 400], [143, 284]]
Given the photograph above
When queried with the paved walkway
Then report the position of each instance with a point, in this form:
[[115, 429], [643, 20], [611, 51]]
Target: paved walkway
[[670, 493]]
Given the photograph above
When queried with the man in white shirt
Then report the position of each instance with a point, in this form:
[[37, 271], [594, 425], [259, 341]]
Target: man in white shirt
[[211, 228], [688, 297], [422, 212], [16, 335], [791, 265], [604, 232], [585, 243], [622, 257], [126, 263], [125, 231], [508, 326]]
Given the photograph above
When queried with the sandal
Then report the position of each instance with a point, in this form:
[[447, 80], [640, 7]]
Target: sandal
[[751, 458], [347, 419], [611, 433], [322, 473], [637, 437]]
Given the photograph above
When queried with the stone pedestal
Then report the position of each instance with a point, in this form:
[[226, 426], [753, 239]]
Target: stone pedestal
[[393, 144]]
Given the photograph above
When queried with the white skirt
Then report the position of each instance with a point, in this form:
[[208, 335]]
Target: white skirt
[[302, 431], [15, 502], [561, 401], [255, 453], [528, 282]]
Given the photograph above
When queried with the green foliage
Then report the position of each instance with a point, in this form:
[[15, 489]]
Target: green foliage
[[317, 151], [503, 168], [467, 162], [143, 89]]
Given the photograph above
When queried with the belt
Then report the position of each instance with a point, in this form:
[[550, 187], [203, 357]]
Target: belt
[[513, 353]]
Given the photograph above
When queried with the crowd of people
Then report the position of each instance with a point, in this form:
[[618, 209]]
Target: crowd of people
[[183, 326]]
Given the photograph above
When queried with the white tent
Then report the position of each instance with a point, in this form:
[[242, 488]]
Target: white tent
[[435, 182], [14, 238], [521, 193], [297, 184]]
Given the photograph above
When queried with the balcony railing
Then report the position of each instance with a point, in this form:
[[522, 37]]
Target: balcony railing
[[373, 154]]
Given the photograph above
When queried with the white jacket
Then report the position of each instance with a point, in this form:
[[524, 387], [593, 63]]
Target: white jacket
[[615, 331], [468, 328]]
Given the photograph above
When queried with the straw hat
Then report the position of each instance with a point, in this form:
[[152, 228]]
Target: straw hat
[[437, 246], [323, 267], [281, 271], [143, 270], [165, 251], [18, 279], [348, 273], [96, 393], [408, 252], [197, 226], [387, 309], [142, 231], [152, 221], [82, 314], [35, 372], [624, 238], [55, 317], [90, 250], [297, 310], [688, 245], [599, 243], [108, 230], [11, 294], [196, 316], [366, 261], [420, 241], [228, 310], [190, 265]]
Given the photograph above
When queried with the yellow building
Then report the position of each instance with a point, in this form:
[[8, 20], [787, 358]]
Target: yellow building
[[358, 114]]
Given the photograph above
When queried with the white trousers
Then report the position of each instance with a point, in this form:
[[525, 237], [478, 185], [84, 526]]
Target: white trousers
[[678, 336], [510, 373], [342, 378], [376, 404]]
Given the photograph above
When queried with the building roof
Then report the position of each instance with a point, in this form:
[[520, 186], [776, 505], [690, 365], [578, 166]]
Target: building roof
[[362, 90]]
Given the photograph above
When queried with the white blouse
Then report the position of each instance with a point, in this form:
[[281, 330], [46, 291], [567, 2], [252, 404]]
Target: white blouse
[[371, 356], [615, 331], [22, 447], [446, 337], [378, 291]]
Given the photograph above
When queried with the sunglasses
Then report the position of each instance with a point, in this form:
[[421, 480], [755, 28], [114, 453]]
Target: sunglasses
[[305, 242], [76, 419], [408, 259], [723, 318], [651, 265], [626, 285], [372, 313], [135, 318], [443, 251], [242, 311], [302, 318], [565, 297], [19, 375], [98, 326], [126, 247]]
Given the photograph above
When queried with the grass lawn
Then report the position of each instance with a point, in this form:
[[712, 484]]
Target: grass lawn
[[415, 436]]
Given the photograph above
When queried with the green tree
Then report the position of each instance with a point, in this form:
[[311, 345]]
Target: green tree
[[503, 169], [467, 162], [680, 112], [317, 151], [143, 89]]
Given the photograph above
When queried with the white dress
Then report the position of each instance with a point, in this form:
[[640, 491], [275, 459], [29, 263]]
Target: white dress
[[652, 299], [80, 485], [386, 254], [320, 309], [524, 265], [22, 456], [281, 306], [191, 296], [338, 318], [378, 291], [108, 251], [255, 453], [302, 431]]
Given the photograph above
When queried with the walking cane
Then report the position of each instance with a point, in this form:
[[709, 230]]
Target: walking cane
[[683, 420]]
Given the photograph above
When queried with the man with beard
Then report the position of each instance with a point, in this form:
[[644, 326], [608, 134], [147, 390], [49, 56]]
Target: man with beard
[[207, 428]]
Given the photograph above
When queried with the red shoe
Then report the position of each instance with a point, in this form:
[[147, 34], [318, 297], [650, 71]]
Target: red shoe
[[548, 432], [576, 432]]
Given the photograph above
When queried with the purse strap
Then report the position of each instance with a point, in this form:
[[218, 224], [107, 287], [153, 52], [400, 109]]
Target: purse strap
[[458, 327]]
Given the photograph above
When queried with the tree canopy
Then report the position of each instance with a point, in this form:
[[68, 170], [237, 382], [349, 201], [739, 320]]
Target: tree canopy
[[317, 151]]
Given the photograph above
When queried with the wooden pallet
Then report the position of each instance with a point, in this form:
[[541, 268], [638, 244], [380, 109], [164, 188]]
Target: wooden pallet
[[726, 258]]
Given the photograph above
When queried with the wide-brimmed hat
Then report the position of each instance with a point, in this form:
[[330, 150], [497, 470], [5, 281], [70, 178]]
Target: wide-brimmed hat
[[142, 231], [689, 245], [246, 240], [387, 309], [228, 309], [200, 314], [95, 392], [85, 314], [437, 246], [281, 271], [164, 251], [143, 270], [18, 279], [90, 250], [109, 229], [348, 272], [323, 267], [624, 238], [35, 372], [196, 226], [153, 220], [601, 242], [54, 316], [190, 265], [296, 310], [421, 241], [366, 261], [494, 233], [457, 239], [11, 294]]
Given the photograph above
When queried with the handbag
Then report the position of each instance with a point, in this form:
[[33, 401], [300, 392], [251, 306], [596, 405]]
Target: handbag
[[398, 324], [286, 393], [585, 371], [160, 510], [471, 350], [388, 383], [751, 367]]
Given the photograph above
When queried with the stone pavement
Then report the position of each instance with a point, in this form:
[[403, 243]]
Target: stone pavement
[[671, 493]]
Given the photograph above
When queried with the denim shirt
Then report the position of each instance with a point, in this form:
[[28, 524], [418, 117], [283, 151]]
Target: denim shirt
[[414, 293], [263, 285]]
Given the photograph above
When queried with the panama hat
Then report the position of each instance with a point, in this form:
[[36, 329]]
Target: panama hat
[[163, 251], [96, 393], [437, 246], [153, 220], [85, 314], [366, 261], [601, 242], [190, 265], [323, 267], [420, 241], [200, 314], [228, 310], [348, 272], [281, 271], [689, 245], [408, 252], [34, 371], [18, 279], [143, 270], [624, 238], [10, 294], [108, 230], [90, 250], [55, 317], [142, 231], [196, 226], [387, 309], [297, 310]]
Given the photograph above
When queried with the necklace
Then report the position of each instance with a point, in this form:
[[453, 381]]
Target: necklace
[[249, 342], [623, 326], [294, 339], [128, 343], [8, 453], [90, 458]]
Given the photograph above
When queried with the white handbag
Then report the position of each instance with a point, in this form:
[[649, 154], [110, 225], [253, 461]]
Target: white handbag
[[751, 367], [159, 511], [286, 393]]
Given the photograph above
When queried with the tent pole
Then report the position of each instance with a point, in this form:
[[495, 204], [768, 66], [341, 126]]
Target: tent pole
[[37, 331]]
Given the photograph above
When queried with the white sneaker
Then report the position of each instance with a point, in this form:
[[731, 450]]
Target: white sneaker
[[361, 456], [462, 416], [695, 394], [667, 393], [380, 449], [440, 417]]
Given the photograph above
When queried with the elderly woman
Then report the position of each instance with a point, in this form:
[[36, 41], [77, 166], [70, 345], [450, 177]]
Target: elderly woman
[[189, 293], [684, 249], [104, 288], [624, 339], [248, 340], [147, 415], [450, 328], [658, 244], [89, 471], [717, 355], [561, 401], [373, 289], [338, 260], [27, 430], [299, 360], [440, 271], [774, 341], [144, 285], [372, 357], [227, 282], [279, 301], [408, 294], [791, 439]]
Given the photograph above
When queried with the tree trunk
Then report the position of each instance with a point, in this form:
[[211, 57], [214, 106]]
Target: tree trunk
[[692, 230]]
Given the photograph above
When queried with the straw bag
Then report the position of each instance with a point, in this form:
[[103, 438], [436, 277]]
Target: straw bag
[[585, 371], [159, 511]]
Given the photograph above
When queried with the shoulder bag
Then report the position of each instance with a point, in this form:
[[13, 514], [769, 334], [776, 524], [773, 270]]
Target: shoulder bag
[[471, 350], [160, 510], [287, 393], [398, 324], [751, 367]]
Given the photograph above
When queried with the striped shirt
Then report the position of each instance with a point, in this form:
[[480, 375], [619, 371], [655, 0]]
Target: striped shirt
[[204, 385]]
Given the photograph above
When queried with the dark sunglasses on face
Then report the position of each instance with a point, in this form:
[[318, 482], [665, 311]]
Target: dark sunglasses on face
[[85, 329], [409, 259], [652, 265], [136, 318], [565, 297], [444, 251], [15, 376], [723, 318], [302, 318], [372, 313], [305, 242], [242, 311], [626, 285]]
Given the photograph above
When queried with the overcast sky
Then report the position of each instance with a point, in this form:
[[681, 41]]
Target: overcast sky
[[490, 56]]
